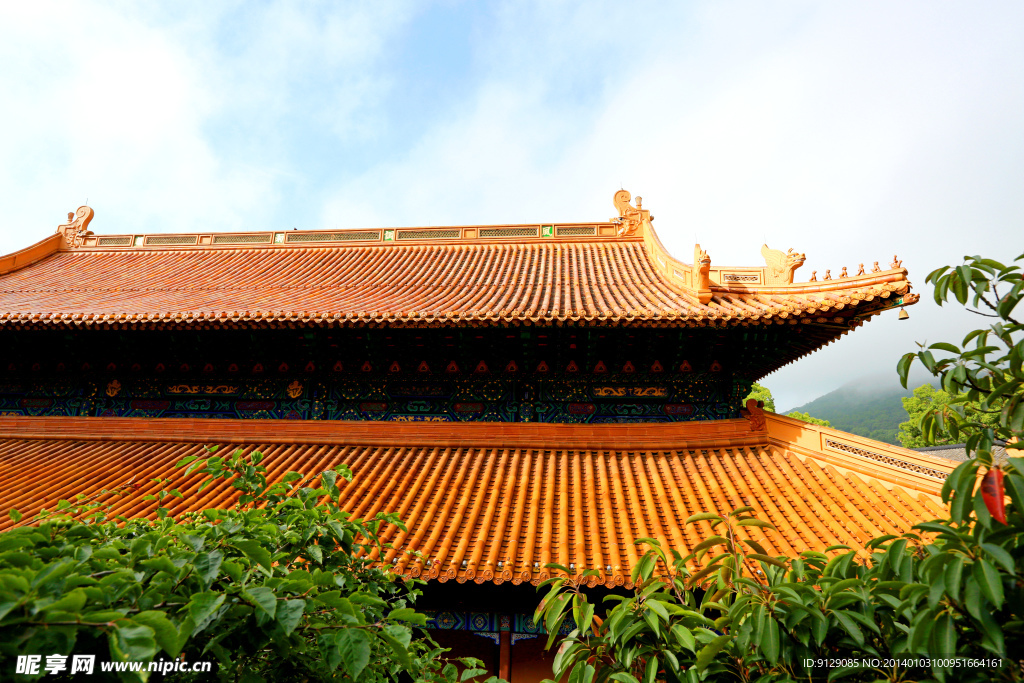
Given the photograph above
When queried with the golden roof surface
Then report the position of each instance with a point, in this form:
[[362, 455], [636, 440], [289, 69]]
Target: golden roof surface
[[495, 501]]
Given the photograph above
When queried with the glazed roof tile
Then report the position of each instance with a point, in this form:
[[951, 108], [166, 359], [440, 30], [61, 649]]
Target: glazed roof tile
[[495, 502], [595, 273]]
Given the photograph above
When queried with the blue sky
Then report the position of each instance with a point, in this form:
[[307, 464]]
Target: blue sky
[[849, 131]]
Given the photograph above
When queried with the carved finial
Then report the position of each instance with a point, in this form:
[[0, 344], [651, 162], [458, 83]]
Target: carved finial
[[828, 275], [629, 218], [700, 271], [77, 227], [814, 276], [754, 412], [896, 263], [844, 273], [860, 269], [876, 268], [621, 200], [781, 265]]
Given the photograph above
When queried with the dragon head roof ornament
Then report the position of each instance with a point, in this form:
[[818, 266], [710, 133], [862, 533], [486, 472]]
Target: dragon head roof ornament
[[781, 265], [77, 227], [701, 274]]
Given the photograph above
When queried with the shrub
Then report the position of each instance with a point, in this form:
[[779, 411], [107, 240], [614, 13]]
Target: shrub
[[281, 586]]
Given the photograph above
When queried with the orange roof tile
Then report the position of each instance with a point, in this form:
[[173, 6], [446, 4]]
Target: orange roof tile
[[598, 273], [495, 502]]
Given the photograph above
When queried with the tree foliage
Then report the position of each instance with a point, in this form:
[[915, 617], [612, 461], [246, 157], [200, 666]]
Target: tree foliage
[[805, 417], [281, 586], [761, 393], [986, 368], [926, 399]]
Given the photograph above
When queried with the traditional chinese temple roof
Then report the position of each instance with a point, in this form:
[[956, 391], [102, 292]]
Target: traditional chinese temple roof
[[496, 502], [610, 273]]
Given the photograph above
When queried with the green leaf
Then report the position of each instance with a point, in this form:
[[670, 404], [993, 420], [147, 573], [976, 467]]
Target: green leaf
[[989, 581], [710, 542], [333, 599], [840, 546], [684, 637], [289, 614], [770, 640], [398, 639], [623, 677], [943, 637], [657, 608], [254, 551], [758, 548], [943, 346], [315, 553], [651, 670], [202, 608], [407, 614], [262, 598], [587, 617], [696, 578], [166, 634], [767, 559], [903, 367], [14, 515], [72, 602], [709, 651], [850, 626], [161, 563], [103, 616], [208, 566], [951, 579], [756, 522], [701, 516], [1000, 555], [354, 646], [131, 641]]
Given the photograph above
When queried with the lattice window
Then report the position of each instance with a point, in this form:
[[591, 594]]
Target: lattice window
[[574, 232], [163, 240], [508, 232], [427, 234], [346, 236], [736, 277], [115, 242], [887, 459], [243, 239]]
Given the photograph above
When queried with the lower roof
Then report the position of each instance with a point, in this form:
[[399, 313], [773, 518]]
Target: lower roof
[[496, 502]]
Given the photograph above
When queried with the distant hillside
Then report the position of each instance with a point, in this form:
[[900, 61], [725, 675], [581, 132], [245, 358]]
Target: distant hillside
[[866, 408]]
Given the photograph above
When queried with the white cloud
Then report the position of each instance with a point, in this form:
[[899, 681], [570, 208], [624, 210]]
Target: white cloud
[[118, 107]]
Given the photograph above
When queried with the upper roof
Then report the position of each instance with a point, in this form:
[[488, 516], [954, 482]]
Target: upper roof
[[612, 272], [496, 502]]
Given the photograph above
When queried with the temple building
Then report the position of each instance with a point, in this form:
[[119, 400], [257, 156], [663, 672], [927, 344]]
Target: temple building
[[518, 394]]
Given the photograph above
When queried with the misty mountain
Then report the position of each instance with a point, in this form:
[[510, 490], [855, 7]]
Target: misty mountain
[[869, 407]]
